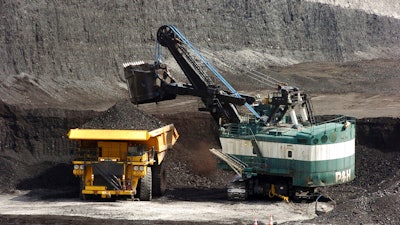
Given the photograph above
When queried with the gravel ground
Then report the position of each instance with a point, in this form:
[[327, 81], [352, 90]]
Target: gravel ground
[[168, 210]]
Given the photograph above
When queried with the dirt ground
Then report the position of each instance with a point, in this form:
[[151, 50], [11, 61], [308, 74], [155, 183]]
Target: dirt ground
[[208, 207]]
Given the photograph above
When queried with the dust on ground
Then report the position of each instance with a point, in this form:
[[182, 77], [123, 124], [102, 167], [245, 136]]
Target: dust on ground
[[166, 209]]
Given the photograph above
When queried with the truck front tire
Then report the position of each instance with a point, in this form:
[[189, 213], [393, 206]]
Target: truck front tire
[[145, 189]]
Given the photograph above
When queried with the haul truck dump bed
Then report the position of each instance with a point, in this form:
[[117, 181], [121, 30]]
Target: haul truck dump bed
[[122, 163]]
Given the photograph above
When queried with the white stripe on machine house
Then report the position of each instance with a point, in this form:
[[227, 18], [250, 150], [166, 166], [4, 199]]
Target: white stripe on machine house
[[297, 152]]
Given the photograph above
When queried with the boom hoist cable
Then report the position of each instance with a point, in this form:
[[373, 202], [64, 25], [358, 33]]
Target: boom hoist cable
[[159, 53], [160, 58], [266, 80], [220, 103], [211, 68], [253, 74]]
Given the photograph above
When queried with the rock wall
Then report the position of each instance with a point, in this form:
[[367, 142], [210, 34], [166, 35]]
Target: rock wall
[[91, 39]]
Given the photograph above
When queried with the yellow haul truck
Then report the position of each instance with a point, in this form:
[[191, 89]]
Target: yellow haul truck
[[121, 164]]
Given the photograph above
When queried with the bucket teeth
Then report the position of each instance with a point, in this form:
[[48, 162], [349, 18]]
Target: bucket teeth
[[132, 63]]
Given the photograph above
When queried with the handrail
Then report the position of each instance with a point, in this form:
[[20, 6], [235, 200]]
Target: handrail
[[237, 165], [337, 119]]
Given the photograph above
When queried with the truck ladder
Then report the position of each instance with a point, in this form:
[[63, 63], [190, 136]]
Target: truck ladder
[[237, 165]]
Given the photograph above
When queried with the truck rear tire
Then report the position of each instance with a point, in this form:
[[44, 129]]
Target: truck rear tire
[[145, 191], [159, 180]]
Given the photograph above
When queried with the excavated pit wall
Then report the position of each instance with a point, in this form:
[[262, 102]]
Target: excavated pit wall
[[33, 142], [35, 149], [68, 47], [380, 133]]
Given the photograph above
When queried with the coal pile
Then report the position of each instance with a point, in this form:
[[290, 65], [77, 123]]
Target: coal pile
[[373, 197], [189, 164], [124, 116]]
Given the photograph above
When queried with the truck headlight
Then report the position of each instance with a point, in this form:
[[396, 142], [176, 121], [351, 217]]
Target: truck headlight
[[135, 168], [141, 168], [76, 167], [81, 167]]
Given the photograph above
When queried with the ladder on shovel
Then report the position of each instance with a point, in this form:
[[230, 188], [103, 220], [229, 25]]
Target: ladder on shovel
[[237, 165]]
